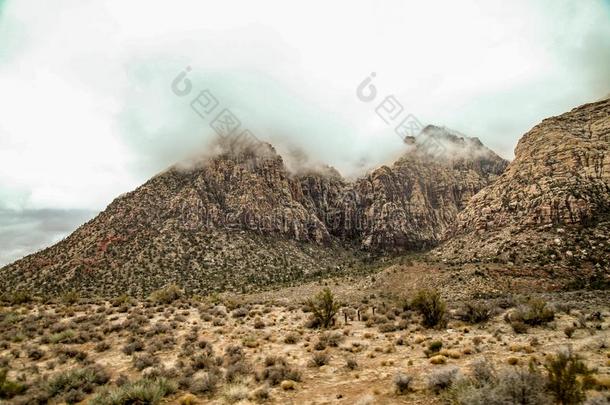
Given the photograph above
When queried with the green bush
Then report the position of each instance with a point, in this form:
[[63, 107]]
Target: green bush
[[433, 347], [567, 376], [8, 388], [432, 308], [144, 391], [167, 295], [76, 380], [324, 307]]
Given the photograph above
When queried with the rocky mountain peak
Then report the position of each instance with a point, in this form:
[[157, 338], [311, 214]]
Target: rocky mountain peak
[[239, 216], [559, 179]]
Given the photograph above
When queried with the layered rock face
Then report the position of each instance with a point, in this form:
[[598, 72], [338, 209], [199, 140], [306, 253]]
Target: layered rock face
[[240, 219], [414, 202], [551, 203], [228, 222]]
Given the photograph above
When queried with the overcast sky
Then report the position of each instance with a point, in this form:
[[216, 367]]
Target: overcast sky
[[87, 110]]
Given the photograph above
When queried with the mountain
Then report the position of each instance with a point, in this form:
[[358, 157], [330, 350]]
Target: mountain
[[551, 206], [239, 219], [411, 204]]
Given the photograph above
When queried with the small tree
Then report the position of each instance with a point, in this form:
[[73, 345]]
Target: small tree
[[324, 307], [564, 370], [431, 306]]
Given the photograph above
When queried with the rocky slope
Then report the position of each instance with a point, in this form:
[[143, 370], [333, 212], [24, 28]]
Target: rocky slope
[[239, 219], [414, 202], [551, 205]]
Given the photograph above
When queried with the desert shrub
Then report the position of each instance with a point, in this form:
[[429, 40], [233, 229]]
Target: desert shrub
[[144, 391], [323, 307], [387, 327], [292, 338], [66, 336], [233, 354], [261, 394], [35, 353], [402, 382], [431, 306], [121, 301], [69, 352], [483, 372], [76, 382], [319, 345], [402, 324], [135, 346], [518, 326], [464, 392], [259, 323], [237, 370], [202, 361], [319, 359], [235, 363], [167, 295], [539, 313], [331, 339], [475, 312], [70, 297], [277, 370], [8, 388], [240, 312], [536, 312], [205, 384], [235, 392], [567, 377], [17, 297], [521, 386], [515, 386], [434, 347], [404, 303], [351, 363], [102, 347], [442, 379], [143, 361], [569, 331]]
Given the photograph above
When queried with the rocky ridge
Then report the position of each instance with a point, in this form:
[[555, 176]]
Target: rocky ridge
[[240, 220], [551, 206]]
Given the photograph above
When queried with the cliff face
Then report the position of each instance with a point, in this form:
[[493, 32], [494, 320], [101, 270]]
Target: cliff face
[[241, 219], [413, 203], [553, 201]]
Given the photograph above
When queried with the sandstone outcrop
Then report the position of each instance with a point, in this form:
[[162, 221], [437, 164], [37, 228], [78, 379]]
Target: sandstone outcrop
[[240, 219], [551, 204]]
